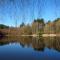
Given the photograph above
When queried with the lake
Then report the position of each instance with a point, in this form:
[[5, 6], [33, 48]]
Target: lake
[[29, 48]]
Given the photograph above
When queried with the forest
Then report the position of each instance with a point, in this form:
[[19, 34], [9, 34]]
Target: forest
[[38, 26]]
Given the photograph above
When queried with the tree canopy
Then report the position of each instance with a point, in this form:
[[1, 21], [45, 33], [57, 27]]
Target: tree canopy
[[39, 20], [22, 24], [3, 26]]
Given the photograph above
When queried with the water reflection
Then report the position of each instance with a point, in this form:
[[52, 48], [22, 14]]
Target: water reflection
[[37, 43], [25, 41], [53, 42]]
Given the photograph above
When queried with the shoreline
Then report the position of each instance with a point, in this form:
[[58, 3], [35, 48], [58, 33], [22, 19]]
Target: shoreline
[[34, 35]]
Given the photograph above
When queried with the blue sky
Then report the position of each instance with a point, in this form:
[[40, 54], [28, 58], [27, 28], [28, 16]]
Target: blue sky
[[28, 10]]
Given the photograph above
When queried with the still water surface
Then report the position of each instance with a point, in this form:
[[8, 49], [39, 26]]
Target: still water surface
[[29, 48]]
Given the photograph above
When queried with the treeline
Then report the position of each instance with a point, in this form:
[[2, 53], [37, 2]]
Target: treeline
[[52, 27], [39, 26], [2, 26]]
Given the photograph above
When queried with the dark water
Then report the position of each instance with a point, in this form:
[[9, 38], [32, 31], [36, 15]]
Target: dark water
[[29, 48]]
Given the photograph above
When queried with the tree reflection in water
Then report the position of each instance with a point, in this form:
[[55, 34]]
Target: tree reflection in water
[[25, 41], [37, 43], [53, 43], [56, 43]]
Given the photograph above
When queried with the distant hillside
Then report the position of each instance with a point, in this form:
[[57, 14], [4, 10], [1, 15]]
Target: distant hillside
[[2, 26]]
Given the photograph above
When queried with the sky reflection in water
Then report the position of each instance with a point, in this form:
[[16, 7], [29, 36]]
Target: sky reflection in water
[[16, 51]]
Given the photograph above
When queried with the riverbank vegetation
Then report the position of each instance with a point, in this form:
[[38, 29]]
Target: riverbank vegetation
[[37, 27]]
